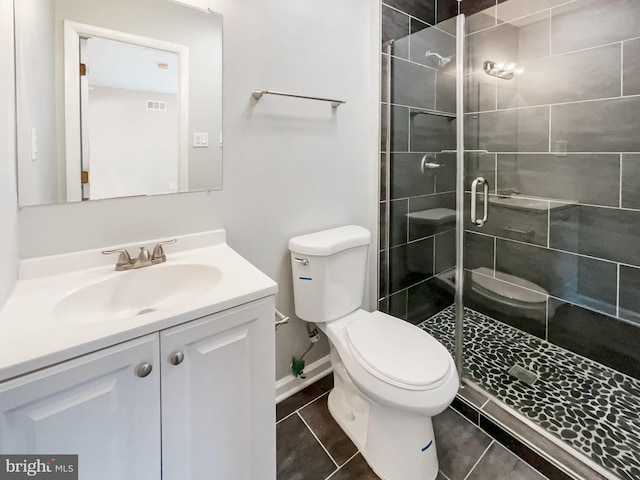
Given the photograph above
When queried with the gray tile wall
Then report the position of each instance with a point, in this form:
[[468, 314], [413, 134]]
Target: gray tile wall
[[422, 249], [564, 169]]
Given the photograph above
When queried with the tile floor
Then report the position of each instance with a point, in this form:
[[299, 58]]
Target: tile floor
[[590, 407], [311, 446]]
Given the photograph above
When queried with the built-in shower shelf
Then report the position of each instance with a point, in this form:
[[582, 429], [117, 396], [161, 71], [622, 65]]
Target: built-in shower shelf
[[433, 216]]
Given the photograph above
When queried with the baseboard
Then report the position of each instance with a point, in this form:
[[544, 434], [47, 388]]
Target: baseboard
[[287, 386]]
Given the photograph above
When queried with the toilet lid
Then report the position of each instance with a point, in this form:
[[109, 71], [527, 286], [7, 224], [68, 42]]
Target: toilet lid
[[396, 351]]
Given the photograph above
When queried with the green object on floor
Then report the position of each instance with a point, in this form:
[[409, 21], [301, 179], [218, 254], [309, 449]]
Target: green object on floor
[[297, 366]]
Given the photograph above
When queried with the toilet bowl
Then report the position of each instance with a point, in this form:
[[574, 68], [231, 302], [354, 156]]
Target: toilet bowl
[[390, 376]]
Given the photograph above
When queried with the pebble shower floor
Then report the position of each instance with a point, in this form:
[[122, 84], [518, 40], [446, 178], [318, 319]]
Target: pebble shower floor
[[591, 407]]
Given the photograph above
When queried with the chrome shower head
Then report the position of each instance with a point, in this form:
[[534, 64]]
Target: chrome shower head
[[442, 61]]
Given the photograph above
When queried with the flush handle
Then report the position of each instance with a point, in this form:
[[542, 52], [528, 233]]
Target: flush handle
[[176, 358], [303, 261]]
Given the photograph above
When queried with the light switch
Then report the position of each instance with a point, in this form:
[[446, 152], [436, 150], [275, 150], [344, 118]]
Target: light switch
[[200, 140]]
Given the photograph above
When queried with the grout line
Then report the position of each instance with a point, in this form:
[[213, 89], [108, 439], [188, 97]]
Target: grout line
[[303, 406], [620, 192], [342, 466], [485, 403], [589, 100], [618, 291], [314, 436], [622, 68], [479, 459]]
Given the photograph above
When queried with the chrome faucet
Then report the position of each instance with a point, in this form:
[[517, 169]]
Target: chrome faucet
[[144, 258]]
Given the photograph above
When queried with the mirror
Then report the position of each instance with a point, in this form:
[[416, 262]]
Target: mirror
[[116, 99]]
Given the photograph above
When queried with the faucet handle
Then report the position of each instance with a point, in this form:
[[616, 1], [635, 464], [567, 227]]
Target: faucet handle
[[124, 260], [144, 255], [158, 255]]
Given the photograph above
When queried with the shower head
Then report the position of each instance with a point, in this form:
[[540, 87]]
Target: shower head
[[442, 61]]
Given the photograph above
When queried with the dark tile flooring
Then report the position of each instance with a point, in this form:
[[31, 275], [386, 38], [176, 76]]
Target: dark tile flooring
[[311, 446]]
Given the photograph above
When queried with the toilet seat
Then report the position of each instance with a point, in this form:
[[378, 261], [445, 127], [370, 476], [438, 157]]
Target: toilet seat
[[397, 352]]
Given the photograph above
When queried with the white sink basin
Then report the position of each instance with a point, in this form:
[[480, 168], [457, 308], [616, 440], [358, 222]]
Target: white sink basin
[[137, 292]]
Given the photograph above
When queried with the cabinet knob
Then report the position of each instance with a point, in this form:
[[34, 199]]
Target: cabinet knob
[[176, 358], [143, 369]]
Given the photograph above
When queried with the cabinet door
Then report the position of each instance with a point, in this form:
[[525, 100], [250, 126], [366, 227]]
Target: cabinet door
[[95, 406], [218, 404]]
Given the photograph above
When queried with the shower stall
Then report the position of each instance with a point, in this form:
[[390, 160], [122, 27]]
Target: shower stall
[[510, 206]]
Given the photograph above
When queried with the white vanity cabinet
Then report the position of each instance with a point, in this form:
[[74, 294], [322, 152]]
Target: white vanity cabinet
[[218, 401], [95, 406], [205, 410]]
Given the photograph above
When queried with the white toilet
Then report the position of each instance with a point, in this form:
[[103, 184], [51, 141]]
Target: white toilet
[[390, 376]]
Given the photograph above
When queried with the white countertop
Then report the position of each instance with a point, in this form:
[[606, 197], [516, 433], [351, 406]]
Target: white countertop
[[31, 337]]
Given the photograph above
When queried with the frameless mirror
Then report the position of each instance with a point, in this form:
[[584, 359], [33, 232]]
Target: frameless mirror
[[116, 99]]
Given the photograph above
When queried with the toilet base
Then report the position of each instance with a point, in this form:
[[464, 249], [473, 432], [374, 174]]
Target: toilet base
[[397, 445]]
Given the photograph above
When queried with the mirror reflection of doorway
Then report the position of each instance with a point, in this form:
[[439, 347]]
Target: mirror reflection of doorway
[[129, 119]]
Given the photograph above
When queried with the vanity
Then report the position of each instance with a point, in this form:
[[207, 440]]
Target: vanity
[[165, 371]]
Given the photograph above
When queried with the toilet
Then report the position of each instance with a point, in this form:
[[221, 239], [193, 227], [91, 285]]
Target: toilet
[[390, 376]]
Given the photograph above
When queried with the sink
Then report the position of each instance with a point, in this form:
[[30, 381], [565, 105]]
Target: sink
[[137, 292]]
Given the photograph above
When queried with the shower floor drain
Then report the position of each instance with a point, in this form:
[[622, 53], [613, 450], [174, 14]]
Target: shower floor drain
[[523, 374]]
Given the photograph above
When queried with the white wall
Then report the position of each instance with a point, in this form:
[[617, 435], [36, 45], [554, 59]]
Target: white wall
[[8, 209], [39, 184], [290, 166]]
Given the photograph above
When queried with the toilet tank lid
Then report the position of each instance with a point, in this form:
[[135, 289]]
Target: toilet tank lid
[[328, 242]]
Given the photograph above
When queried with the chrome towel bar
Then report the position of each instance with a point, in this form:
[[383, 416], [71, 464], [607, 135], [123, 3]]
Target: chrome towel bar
[[257, 94]]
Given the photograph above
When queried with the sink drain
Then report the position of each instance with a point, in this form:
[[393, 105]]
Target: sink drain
[[146, 310]]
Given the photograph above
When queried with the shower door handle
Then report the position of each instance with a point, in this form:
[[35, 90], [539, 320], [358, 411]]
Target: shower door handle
[[474, 199]]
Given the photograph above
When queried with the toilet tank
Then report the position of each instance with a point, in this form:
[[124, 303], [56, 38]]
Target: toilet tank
[[329, 270]]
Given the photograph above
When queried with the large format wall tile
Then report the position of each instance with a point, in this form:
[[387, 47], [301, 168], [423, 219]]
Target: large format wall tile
[[588, 23], [631, 181], [630, 293], [399, 129], [446, 9], [499, 44], [432, 133], [588, 178], [512, 218], [513, 9], [607, 233], [480, 165], [581, 280], [480, 92], [398, 222], [395, 26], [410, 264], [425, 38], [599, 337], [413, 85], [598, 126], [631, 67], [478, 251], [584, 75], [422, 9], [445, 251], [407, 180], [426, 299], [521, 130]]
